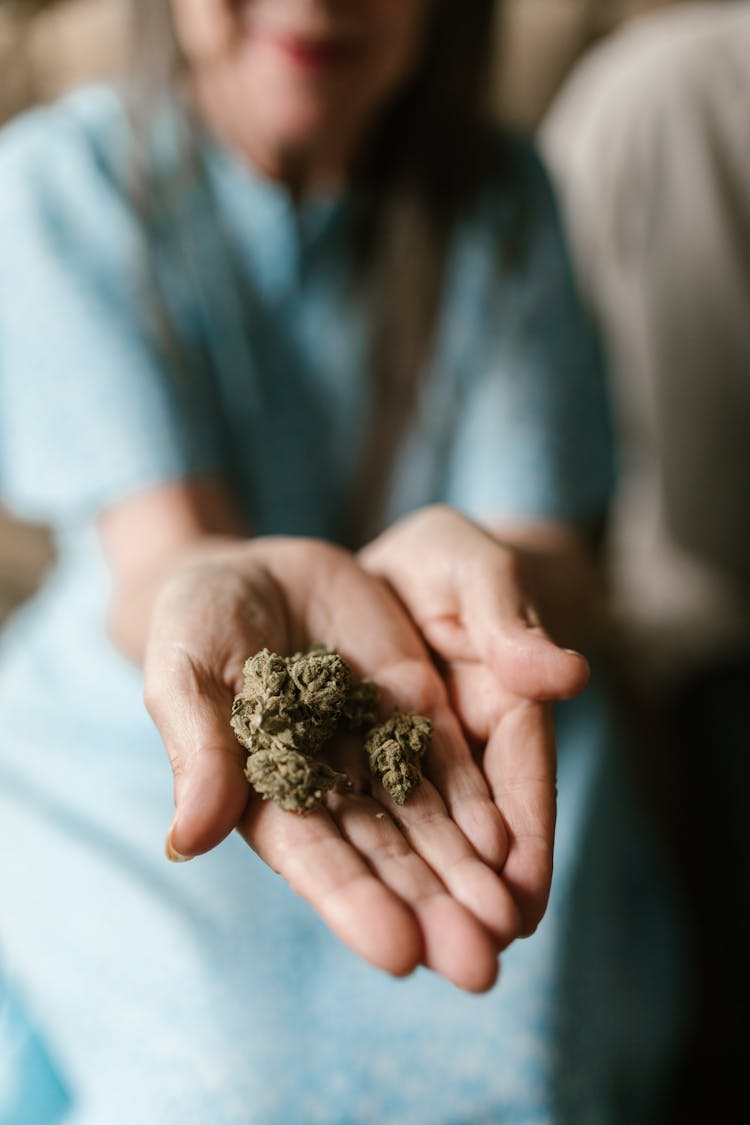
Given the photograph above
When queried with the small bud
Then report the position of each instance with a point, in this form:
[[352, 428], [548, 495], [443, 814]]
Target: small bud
[[394, 751]]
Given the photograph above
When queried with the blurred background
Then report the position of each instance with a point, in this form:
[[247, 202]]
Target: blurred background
[[49, 46], [679, 545]]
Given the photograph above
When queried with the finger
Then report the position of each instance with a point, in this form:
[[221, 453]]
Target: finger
[[433, 835], [417, 687], [323, 868], [206, 622], [456, 945], [210, 787], [520, 767], [471, 604], [452, 769], [506, 635]]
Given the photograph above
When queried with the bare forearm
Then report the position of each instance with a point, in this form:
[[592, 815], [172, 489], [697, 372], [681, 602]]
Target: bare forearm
[[147, 538]]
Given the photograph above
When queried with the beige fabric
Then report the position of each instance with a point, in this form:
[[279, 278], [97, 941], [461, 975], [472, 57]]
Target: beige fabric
[[74, 41], [650, 144], [540, 40]]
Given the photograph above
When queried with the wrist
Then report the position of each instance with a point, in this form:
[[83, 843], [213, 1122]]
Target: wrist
[[136, 589]]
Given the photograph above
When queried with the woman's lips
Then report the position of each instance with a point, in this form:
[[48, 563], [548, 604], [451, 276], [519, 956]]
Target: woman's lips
[[315, 53]]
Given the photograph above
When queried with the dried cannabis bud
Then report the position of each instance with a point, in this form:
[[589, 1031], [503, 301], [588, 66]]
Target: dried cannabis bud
[[322, 682], [295, 782], [291, 706], [293, 702], [360, 710], [394, 750], [288, 708]]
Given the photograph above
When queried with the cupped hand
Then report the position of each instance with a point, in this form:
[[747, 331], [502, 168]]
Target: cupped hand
[[464, 591], [401, 886]]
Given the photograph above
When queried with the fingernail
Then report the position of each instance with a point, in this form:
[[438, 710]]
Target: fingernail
[[574, 652], [171, 851]]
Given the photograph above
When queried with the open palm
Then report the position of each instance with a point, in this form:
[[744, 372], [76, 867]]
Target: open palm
[[463, 591], [402, 886]]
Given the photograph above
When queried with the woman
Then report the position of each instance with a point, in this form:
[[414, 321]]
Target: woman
[[296, 287]]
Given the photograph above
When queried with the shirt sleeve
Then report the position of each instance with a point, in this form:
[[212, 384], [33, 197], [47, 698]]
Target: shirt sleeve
[[89, 409], [534, 437]]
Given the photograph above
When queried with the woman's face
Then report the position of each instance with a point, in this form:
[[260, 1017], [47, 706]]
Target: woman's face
[[295, 84]]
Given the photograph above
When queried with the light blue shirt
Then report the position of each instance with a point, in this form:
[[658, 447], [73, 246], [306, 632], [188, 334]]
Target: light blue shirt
[[512, 421]]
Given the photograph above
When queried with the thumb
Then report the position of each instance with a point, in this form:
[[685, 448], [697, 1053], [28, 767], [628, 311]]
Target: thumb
[[205, 623], [507, 635], [211, 791]]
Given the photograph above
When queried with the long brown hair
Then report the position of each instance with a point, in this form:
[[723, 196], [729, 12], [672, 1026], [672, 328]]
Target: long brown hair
[[420, 172]]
